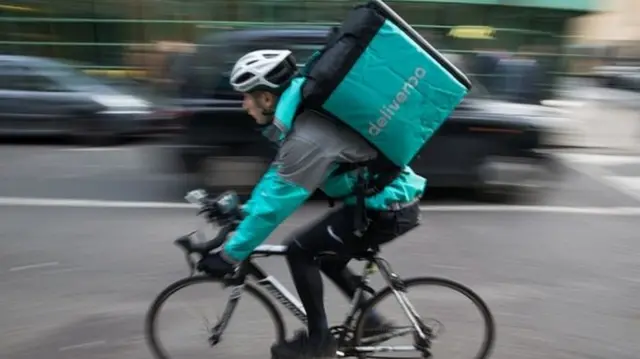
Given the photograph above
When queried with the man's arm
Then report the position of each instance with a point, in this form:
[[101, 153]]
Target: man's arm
[[299, 169], [246, 207]]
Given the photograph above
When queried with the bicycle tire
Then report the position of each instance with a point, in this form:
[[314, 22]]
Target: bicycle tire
[[150, 331], [487, 316]]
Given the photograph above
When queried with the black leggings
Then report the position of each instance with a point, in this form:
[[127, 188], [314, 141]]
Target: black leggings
[[334, 233]]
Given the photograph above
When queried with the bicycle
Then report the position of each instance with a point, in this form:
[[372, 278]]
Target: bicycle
[[225, 211]]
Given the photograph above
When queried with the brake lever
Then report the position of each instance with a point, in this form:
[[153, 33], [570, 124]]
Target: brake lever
[[191, 264], [185, 244]]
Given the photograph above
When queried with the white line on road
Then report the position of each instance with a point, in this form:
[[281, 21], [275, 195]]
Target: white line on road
[[33, 266], [86, 345], [619, 211], [97, 149], [602, 176], [89, 203], [83, 203], [599, 159], [632, 183]]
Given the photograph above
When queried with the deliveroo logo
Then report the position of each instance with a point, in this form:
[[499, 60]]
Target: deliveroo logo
[[388, 111]]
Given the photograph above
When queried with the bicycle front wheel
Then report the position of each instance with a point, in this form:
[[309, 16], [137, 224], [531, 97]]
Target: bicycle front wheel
[[441, 298], [216, 332]]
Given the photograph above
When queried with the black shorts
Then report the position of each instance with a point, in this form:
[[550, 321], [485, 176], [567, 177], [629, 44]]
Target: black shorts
[[334, 233]]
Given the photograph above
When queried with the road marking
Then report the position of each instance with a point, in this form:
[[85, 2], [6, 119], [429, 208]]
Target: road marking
[[606, 177], [92, 344], [84, 203], [96, 149], [621, 211], [626, 181], [92, 203], [33, 266], [598, 159]]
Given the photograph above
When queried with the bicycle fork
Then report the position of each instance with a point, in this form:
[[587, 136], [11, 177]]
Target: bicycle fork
[[221, 325]]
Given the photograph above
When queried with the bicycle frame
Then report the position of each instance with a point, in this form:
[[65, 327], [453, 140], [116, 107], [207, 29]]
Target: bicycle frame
[[283, 296]]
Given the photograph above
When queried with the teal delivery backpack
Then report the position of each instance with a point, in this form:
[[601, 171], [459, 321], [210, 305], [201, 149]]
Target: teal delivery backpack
[[380, 77]]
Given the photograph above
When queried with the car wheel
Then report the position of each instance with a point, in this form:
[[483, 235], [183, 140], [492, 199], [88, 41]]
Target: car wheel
[[511, 179], [92, 132]]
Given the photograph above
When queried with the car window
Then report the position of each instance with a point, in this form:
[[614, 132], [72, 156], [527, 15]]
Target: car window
[[302, 52], [19, 78], [32, 82], [214, 75], [67, 75]]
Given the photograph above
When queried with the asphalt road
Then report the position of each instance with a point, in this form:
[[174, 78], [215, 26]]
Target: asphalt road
[[131, 173], [560, 273]]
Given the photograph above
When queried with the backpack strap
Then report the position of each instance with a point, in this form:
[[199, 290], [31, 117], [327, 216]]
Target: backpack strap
[[372, 178]]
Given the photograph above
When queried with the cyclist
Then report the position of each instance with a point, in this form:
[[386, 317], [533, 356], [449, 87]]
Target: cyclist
[[308, 155]]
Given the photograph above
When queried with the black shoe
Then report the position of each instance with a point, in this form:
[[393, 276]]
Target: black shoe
[[300, 338], [301, 347]]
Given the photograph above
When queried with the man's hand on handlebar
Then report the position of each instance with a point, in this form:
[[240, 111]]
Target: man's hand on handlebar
[[224, 210], [214, 265]]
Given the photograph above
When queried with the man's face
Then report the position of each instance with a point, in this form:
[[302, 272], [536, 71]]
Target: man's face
[[258, 102]]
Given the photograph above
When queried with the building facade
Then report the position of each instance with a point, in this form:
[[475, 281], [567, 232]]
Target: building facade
[[103, 32]]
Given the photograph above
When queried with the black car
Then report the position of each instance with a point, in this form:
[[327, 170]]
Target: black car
[[40, 96], [485, 144]]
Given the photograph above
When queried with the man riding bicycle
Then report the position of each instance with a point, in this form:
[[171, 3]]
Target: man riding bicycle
[[312, 155]]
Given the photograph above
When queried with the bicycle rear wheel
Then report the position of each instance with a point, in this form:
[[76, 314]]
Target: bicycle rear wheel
[[219, 325], [367, 344]]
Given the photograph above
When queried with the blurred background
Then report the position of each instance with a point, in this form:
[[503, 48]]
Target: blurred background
[[104, 72], [110, 110]]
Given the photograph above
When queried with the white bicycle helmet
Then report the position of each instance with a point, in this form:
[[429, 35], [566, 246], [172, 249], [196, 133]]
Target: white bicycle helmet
[[265, 70]]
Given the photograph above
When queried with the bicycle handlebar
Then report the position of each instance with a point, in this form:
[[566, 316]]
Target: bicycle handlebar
[[224, 210], [202, 249]]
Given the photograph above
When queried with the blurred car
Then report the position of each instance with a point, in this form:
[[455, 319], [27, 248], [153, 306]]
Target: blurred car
[[620, 77], [44, 97], [486, 144]]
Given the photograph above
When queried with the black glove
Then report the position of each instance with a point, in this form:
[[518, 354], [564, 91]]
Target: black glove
[[214, 265]]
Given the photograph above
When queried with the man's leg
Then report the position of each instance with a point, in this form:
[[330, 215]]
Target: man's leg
[[334, 233], [385, 227], [347, 281], [302, 251]]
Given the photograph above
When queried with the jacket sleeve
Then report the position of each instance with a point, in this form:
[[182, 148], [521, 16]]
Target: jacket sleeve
[[300, 167], [246, 207]]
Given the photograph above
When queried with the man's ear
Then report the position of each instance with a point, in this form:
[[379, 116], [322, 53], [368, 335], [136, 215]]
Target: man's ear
[[260, 98], [269, 99]]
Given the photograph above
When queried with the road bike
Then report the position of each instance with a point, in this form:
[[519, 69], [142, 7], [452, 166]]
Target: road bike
[[251, 279]]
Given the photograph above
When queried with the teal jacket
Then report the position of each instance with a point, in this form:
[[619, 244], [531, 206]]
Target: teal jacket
[[310, 148]]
